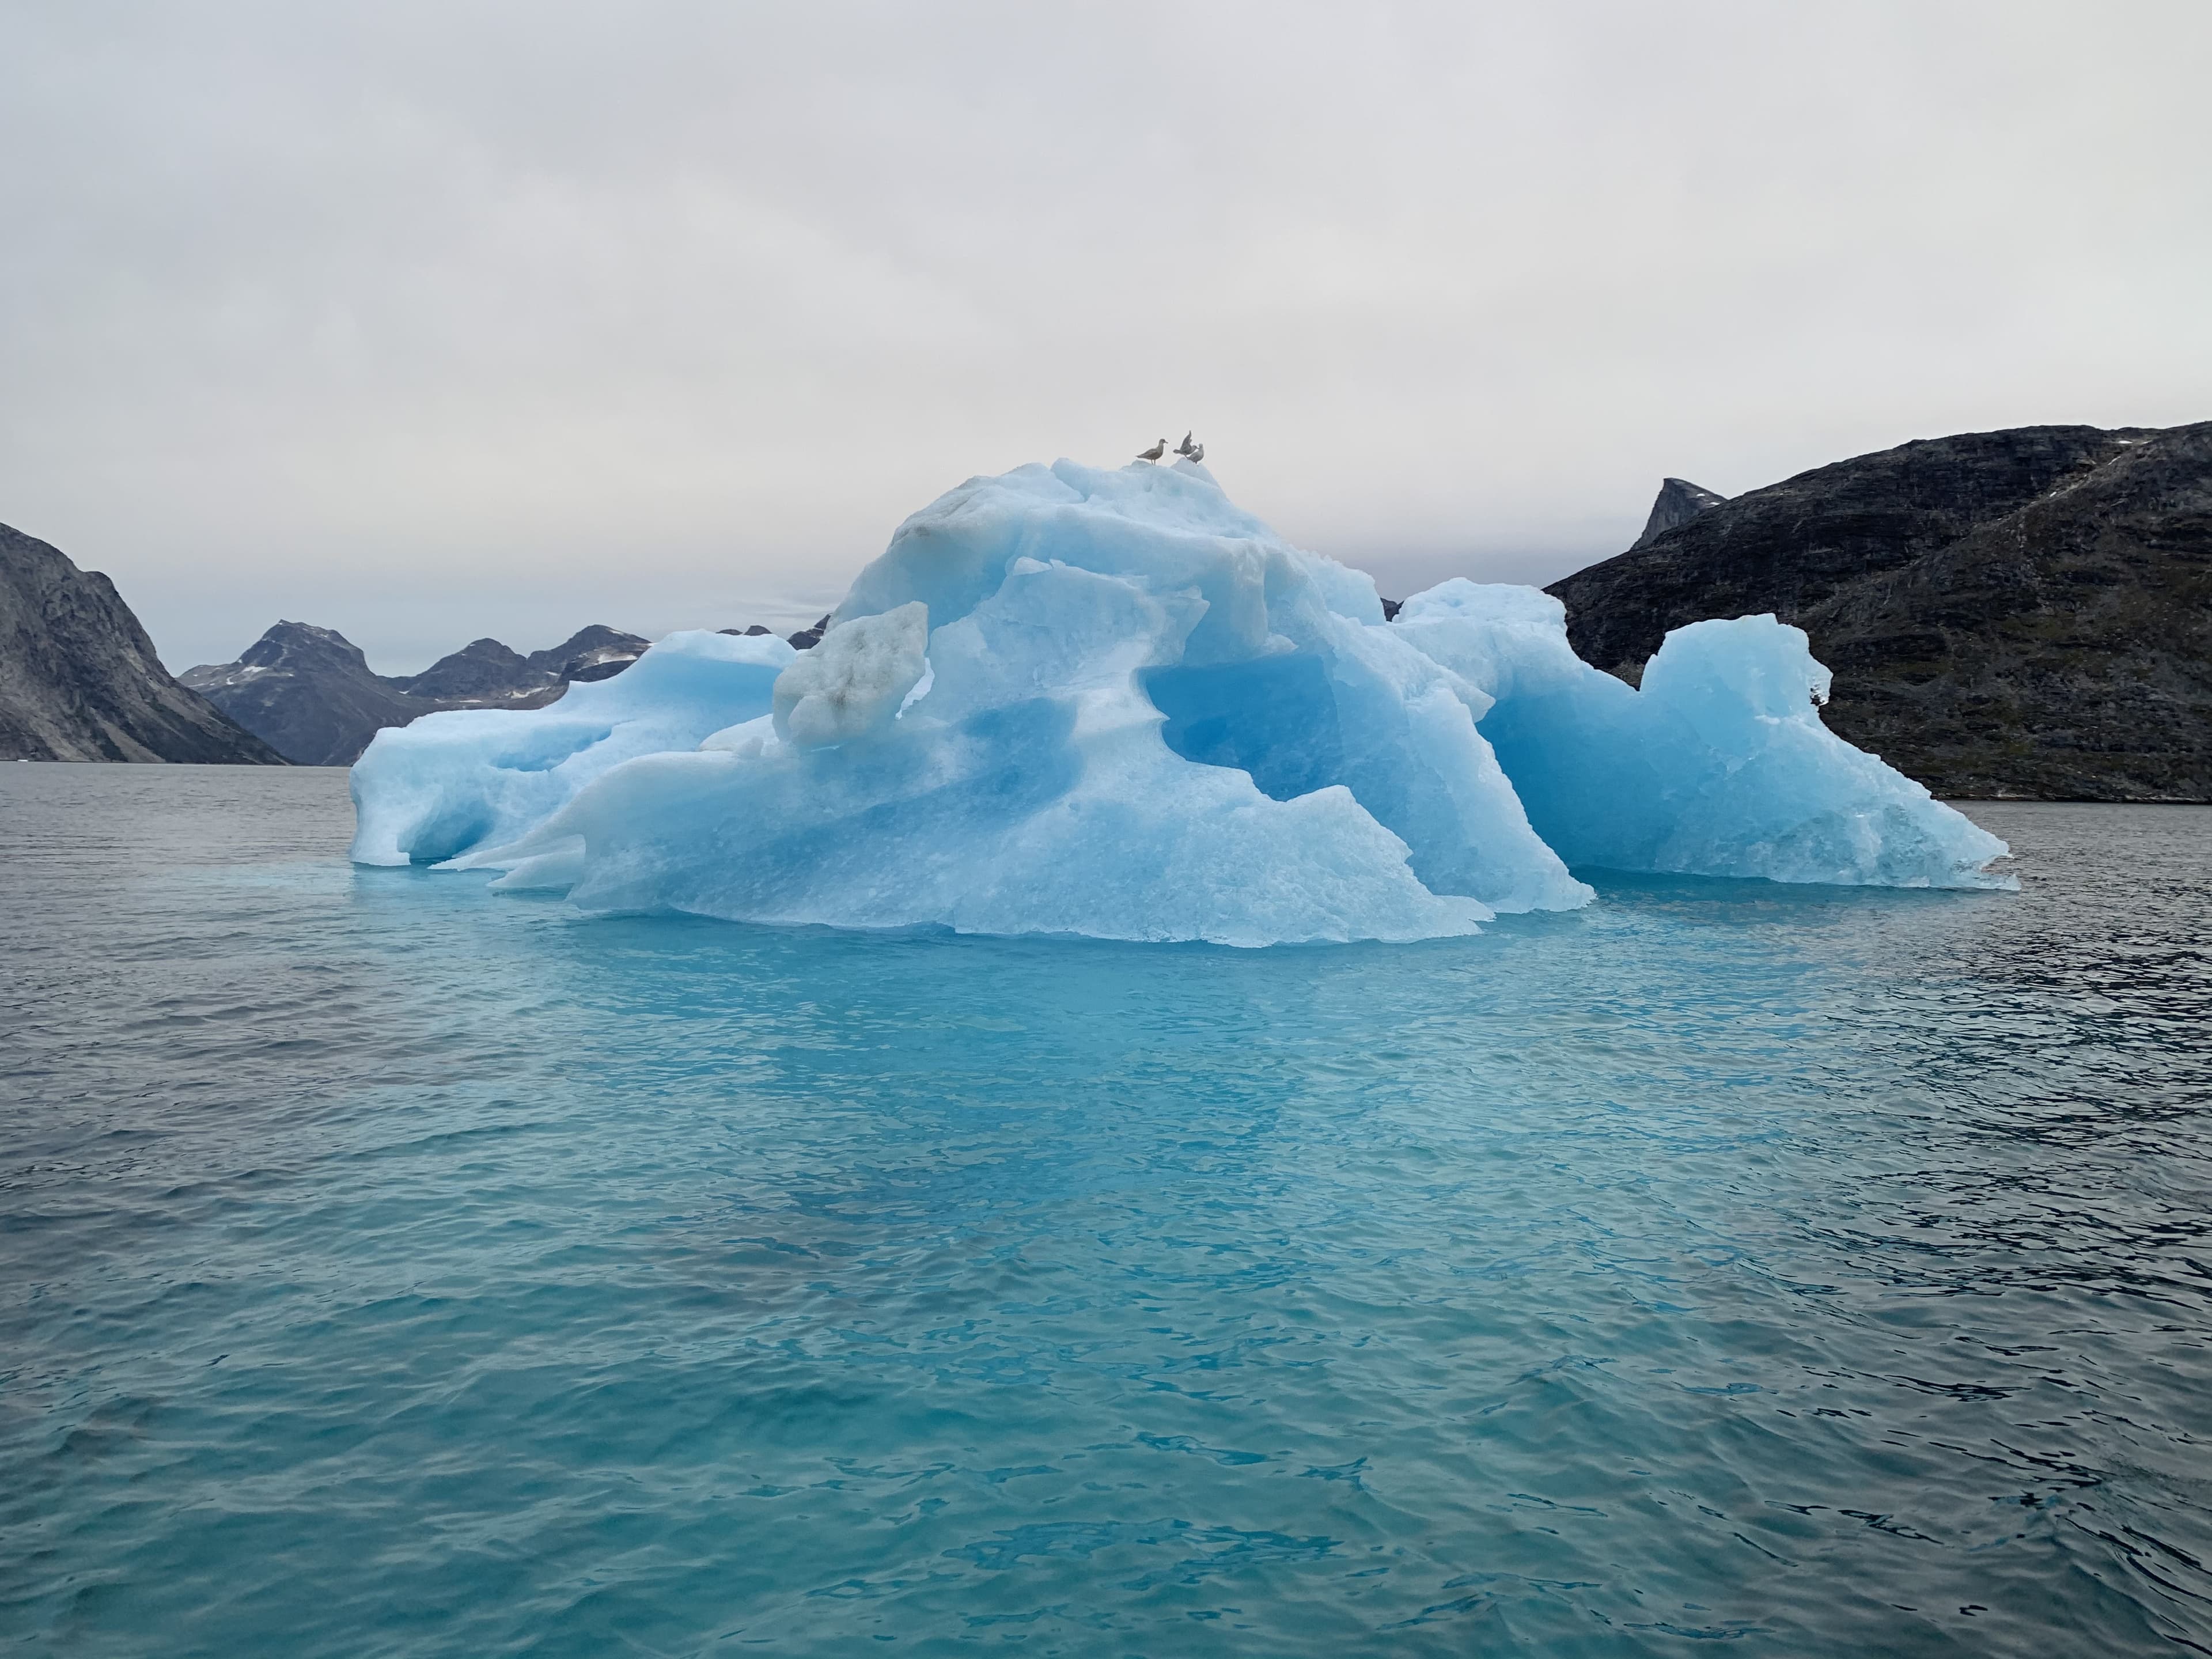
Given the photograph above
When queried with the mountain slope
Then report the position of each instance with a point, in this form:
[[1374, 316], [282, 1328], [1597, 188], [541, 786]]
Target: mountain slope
[[2062, 651], [80, 681], [2020, 613]]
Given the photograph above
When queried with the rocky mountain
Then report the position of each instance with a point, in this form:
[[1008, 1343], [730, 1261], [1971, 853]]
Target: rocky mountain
[[1680, 501], [310, 693], [481, 673], [80, 681], [2025, 613], [485, 674], [597, 652]]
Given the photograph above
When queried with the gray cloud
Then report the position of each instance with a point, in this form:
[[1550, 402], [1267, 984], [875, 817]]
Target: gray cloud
[[427, 321]]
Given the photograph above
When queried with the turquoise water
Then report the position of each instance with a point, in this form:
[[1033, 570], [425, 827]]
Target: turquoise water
[[392, 1268]]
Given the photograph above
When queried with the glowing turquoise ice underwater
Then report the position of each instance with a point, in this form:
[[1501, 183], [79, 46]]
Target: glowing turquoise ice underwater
[[395, 1268]]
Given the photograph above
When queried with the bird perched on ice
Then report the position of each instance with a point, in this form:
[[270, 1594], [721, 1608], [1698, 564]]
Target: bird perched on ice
[[1154, 453], [1183, 448], [1197, 453]]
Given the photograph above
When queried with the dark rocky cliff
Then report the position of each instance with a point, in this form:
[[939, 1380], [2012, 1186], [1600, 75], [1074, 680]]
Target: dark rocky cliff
[[80, 681], [2024, 613]]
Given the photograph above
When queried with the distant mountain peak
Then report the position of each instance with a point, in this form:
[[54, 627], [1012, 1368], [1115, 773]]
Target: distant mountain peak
[[1679, 501], [482, 668], [288, 642], [596, 653]]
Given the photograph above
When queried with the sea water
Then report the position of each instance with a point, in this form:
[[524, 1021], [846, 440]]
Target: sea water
[[393, 1268]]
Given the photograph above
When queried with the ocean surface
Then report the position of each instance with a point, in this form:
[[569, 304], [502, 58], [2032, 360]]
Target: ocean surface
[[387, 1267]]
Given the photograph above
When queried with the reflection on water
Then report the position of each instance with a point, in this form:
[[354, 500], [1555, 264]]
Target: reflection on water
[[391, 1267]]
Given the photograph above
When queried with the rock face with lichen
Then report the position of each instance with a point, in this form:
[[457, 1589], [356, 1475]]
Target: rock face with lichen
[[2022, 614], [80, 681]]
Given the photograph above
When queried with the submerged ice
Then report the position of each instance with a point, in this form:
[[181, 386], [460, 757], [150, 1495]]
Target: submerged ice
[[1110, 702]]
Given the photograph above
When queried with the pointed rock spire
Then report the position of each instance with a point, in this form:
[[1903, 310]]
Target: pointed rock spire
[[1679, 500]]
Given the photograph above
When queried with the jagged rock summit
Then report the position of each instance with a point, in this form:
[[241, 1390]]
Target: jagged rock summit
[[80, 681], [2025, 613], [1679, 500]]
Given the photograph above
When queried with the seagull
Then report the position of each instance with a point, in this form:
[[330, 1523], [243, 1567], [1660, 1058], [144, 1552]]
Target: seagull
[[1183, 448], [1197, 453], [1154, 453]]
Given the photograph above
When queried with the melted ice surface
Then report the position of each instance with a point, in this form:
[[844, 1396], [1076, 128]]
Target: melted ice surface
[[1110, 702]]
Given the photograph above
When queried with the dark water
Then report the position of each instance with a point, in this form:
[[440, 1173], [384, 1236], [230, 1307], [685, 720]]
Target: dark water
[[390, 1268]]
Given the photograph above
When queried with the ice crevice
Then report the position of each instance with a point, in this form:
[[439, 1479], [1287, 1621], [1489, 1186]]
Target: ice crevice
[[1110, 702]]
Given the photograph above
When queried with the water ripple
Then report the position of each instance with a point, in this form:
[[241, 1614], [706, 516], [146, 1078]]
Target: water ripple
[[395, 1269]]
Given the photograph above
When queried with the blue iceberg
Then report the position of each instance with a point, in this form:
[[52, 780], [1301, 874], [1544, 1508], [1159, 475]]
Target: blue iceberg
[[1718, 766], [472, 777], [1110, 702]]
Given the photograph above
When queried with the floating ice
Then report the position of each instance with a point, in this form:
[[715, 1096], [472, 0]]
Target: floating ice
[[470, 777], [1719, 766], [1110, 702]]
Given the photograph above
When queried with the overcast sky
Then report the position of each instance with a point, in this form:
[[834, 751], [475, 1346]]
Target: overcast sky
[[427, 321]]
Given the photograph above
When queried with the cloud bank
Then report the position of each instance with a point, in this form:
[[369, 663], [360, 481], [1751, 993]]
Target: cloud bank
[[426, 321]]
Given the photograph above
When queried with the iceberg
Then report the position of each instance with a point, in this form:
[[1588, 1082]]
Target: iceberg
[[1110, 702], [469, 777], [1719, 765]]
